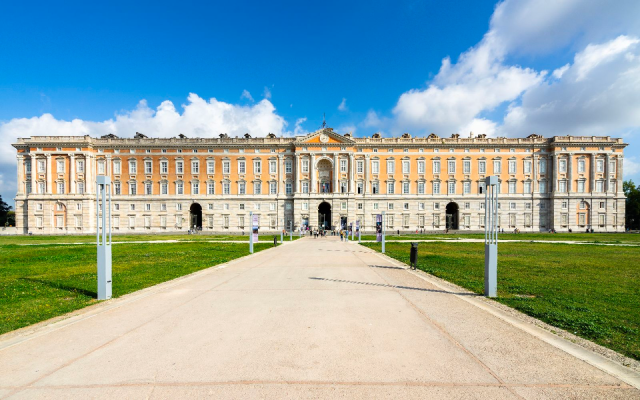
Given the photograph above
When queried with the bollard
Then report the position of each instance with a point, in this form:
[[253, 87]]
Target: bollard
[[275, 240], [414, 256]]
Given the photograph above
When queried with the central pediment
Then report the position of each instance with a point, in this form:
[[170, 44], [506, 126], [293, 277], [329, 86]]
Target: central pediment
[[324, 136]]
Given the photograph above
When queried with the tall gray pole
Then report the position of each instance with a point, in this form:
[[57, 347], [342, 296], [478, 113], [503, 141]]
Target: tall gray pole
[[384, 220], [282, 232], [290, 230], [251, 232], [103, 236], [491, 237]]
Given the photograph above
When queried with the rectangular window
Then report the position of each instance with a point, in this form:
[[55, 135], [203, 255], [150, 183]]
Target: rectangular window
[[599, 186], [60, 187], [452, 188], [27, 166], [81, 188], [512, 187], [226, 188], [226, 167], [179, 207], [375, 207], [164, 167], [133, 166], [375, 187], [272, 167], [436, 187], [195, 187], [147, 207], [359, 206], [241, 188], [466, 166], [466, 186], [563, 166], [288, 188], [482, 167], [242, 167], [562, 186], [116, 168], [148, 188], [375, 167], [179, 188], [390, 206], [116, 188], [305, 165], [211, 167], [527, 167], [287, 167], [543, 186], [179, 167], [420, 187], [164, 188], [612, 166], [599, 165], [405, 187], [360, 188], [257, 188], [80, 166], [390, 188], [543, 166], [305, 187], [343, 187], [211, 188], [527, 187], [497, 166], [451, 166], [405, 166], [391, 167], [421, 167], [512, 166], [273, 187], [581, 166], [60, 166], [360, 166], [581, 186], [436, 166], [257, 167], [147, 167]]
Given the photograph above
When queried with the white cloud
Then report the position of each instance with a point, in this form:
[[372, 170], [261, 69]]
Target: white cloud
[[298, 129], [596, 54], [246, 95], [557, 73], [266, 93], [479, 126], [631, 167], [343, 105]]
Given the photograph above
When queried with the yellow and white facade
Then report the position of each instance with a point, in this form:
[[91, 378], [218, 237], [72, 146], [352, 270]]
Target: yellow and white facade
[[323, 178]]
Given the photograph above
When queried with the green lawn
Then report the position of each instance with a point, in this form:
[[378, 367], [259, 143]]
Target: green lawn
[[630, 238], [41, 282], [53, 239], [592, 291]]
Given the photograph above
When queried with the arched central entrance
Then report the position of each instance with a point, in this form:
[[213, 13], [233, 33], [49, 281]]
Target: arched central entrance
[[324, 215], [452, 215], [196, 216]]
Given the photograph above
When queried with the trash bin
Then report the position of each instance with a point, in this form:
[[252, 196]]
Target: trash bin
[[414, 255]]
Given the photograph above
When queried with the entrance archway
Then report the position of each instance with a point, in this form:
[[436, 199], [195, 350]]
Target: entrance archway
[[196, 216], [324, 215], [452, 215]]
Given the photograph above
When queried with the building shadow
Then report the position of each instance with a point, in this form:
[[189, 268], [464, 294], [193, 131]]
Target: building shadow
[[395, 286], [386, 267], [60, 286]]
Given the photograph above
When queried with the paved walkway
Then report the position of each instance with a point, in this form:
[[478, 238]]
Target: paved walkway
[[316, 318]]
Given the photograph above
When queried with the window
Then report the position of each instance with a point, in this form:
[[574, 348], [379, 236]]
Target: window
[[132, 207], [466, 187], [375, 207], [421, 167], [41, 166], [375, 167], [360, 166], [226, 167], [602, 204], [482, 167], [391, 188], [612, 166], [305, 165], [405, 206], [562, 186], [164, 167], [543, 186], [116, 188], [272, 206], [375, 187], [80, 166], [287, 166], [179, 188], [512, 187], [147, 167], [343, 205], [563, 166], [226, 188], [116, 167], [178, 207], [497, 166], [436, 166], [257, 167], [436, 187], [512, 206], [359, 206], [132, 167], [195, 187], [543, 166], [451, 166], [115, 206], [390, 206], [405, 166], [467, 206], [599, 186], [242, 167], [147, 207], [273, 188], [359, 188], [305, 206], [375, 150], [211, 188], [272, 166], [163, 207], [164, 188], [581, 166], [405, 187], [421, 206], [343, 187], [288, 188], [305, 187], [466, 166], [581, 186], [565, 205], [80, 187], [599, 165], [60, 187], [527, 167], [512, 166], [179, 167], [391, 167], [452, 188], [420, 187], [242, 188], [527, 186], [148, 188], [60, 166]]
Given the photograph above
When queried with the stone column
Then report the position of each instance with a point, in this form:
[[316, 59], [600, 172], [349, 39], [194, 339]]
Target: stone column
[[48, 183], [570, 173], [34, 173], [619, 174], [20, 175], [88, 174], [352, 173], [72, 173], [367, 187], [280, 175], [554, 176], [297, 173], [607, 174], [534, 180], [592, 177], [312, 173], [336, 168]]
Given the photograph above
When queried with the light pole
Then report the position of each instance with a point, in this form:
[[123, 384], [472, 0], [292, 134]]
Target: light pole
[[384, 220], [103, 236], [491, 237], [251, 233]]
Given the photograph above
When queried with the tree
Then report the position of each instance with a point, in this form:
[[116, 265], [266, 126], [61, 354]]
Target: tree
[[4, 209], [632, 213]]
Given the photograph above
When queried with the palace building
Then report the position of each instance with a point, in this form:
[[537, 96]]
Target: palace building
[[322, 179]]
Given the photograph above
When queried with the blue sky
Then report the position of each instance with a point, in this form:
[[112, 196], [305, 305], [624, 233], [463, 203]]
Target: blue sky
[[502, 68]]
